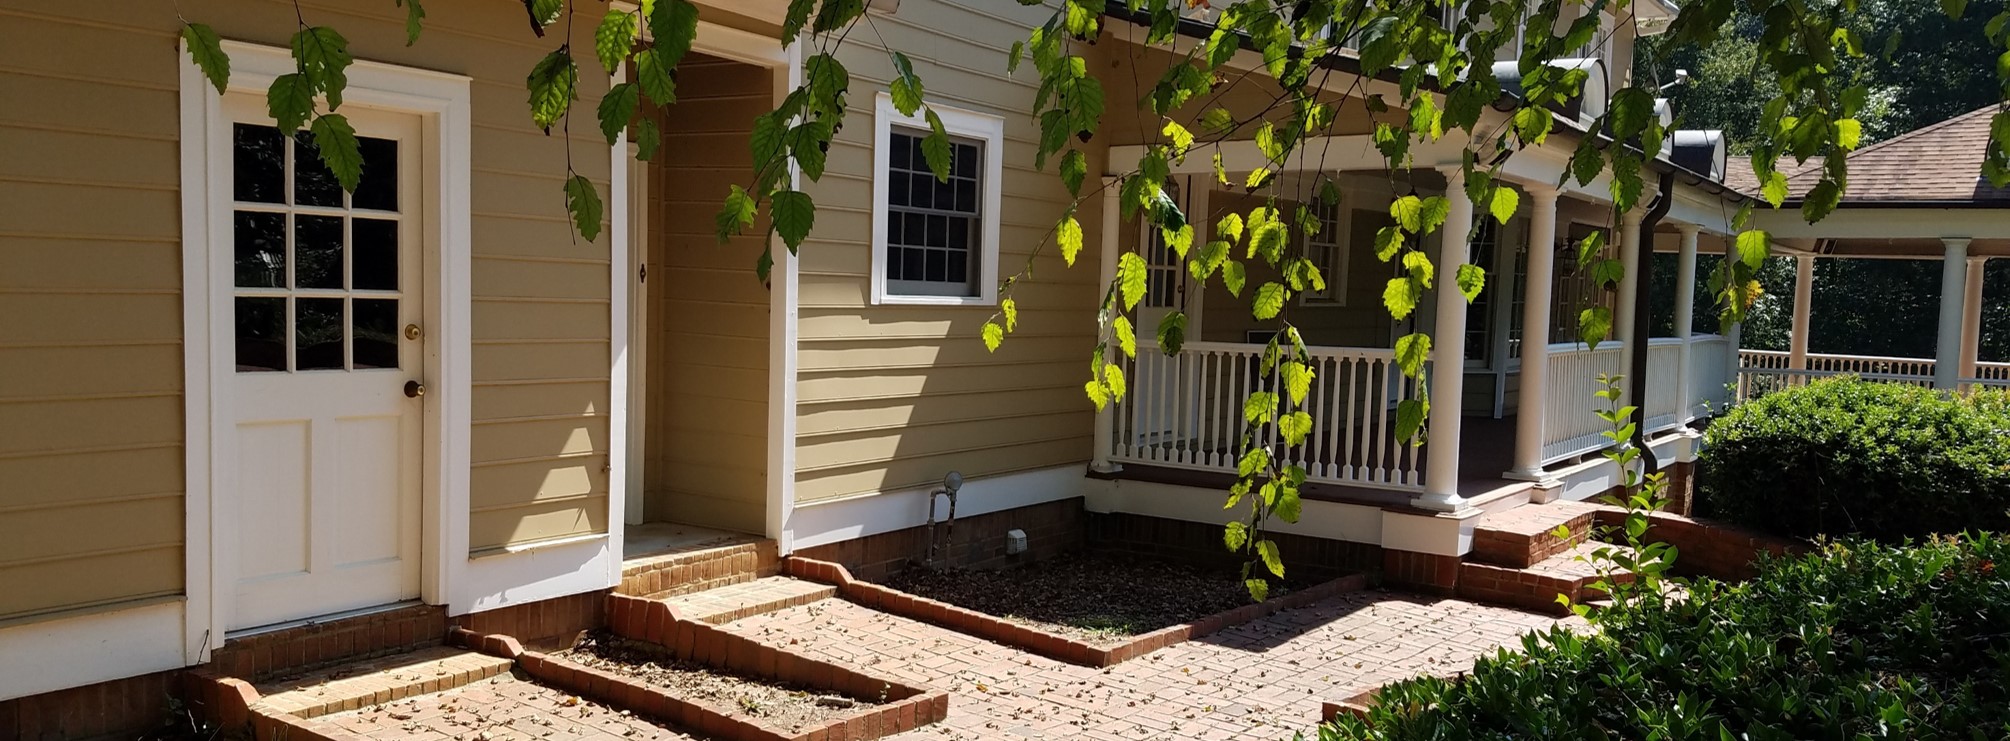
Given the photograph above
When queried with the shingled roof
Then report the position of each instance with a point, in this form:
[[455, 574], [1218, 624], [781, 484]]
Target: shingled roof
[[1938, 164]]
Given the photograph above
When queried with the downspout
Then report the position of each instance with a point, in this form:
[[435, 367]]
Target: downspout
[[1636, 376]]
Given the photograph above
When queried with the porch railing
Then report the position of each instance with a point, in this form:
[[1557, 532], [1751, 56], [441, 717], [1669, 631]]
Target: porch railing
[[1571, 425], [1764, 371], [1186, 411]]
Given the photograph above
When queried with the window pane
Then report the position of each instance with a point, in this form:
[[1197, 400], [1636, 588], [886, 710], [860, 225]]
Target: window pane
[[317, 251], [945, 193], [937, 266], [317, 327], [959, 268], [893, 228], [959, 234], [258, 164], [375, 333], [938, 231], [261, 249], [916, 230], [261, 334], [966, 196], [379, 187], [915, 159], [911, 260], [966, 161], [897, 151], [313, 183], [922, 188], [374, 264]]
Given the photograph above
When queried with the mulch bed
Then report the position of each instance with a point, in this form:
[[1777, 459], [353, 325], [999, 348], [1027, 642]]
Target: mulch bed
[[1090, 597], [778, 705]]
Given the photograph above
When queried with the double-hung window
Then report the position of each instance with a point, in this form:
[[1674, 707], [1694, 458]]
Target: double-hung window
[[935, 241]]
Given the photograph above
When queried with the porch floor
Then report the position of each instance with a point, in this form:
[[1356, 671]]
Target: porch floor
[[651, 539]]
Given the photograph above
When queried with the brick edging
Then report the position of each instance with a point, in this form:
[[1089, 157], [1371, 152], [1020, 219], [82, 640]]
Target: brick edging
[[235, 706], [1050, 645], [650, 621]]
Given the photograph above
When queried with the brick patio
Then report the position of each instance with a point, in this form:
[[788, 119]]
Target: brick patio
[[502, 708], [1264, 679]]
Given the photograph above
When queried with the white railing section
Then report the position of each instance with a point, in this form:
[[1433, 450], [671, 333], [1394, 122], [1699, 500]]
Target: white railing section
[[1664, 390], [1765, 371], [1186, 411], [1709, 384], [1571, 425]]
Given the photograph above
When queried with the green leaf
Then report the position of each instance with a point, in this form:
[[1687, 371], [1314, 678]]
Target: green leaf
[[807, 142], [544, 12], [1410, 415], [1422, 271], [1229, 228], [322, 55], [290, 100], [906, 94], [1590, 245], [1010, 309], [1182, 139], [1097, 394], [1127, 337], [647, 139], [1172, 332], [1632, 108], [1400, 296], [1259, 408], [617, 107], [1254, 460], [1267, 550], [1074, 170], [994, 335], [414, 14], [654, 76], [674, 25], [1471, 279], [339, 150], [1954, 8], [206, 49], [1388, 241], [1408, 211], [797, 16], [1068, 234], [1297, 378], [1233, 276], [935, 147], [1113, 379], [1235, 535], [1295, 427], [736, 214], [1269, 300], [795, 214], [1607, 272], [1505, 202], [553, 84], [1131, 276], [1753, 246], [1433, 213], [1849, 132], [1412, 350], [583, 201], [1775, 189], [1594, 325], [615, 38], [1259, 590], [768, 139]]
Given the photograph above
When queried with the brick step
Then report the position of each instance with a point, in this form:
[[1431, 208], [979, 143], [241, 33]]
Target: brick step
[[1525, 536], [747, 599], [691, 570], [376, 681], [1536, 587]]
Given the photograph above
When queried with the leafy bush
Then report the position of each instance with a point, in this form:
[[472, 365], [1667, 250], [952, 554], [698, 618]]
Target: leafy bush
[[1856, 640], [1846, 456]]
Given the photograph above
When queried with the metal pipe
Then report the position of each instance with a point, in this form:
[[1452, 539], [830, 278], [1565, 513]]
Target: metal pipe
[[1642, 319], [950, 485]]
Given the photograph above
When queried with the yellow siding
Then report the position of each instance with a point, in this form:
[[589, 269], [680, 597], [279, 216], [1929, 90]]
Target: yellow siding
[[892, 397], [91, 418], [707, 445]]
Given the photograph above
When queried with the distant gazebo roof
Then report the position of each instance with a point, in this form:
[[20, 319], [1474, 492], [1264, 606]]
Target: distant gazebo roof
[[1934, 166]]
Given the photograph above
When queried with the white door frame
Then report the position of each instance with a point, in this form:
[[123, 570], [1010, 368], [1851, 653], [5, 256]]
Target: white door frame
[[441, 100]]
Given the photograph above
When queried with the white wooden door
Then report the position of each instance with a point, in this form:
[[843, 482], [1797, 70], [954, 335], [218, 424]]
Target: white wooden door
[[1161, 387], [326, 294]]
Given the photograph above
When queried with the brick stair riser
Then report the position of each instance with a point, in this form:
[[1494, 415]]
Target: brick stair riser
[[1522, 550], [697, 572]]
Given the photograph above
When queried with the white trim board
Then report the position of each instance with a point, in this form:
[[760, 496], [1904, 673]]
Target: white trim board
[[845, 518], [784, 317], [442, 100], [101, 645], [1443, 533], [620, 273]]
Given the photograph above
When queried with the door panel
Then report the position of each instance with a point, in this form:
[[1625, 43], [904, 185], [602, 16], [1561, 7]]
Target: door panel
[[323, 514]]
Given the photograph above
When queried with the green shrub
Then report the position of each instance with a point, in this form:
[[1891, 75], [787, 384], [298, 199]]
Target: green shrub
[[1845, 456], [1855, 641]]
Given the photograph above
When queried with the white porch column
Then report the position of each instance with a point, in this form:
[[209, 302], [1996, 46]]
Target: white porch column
[[1804, 302], [1629, 286], [1106, 422], [1971, 317], [1685, 316], [1448, 354], [1532, 410], [1953, 280], [1735, 360]]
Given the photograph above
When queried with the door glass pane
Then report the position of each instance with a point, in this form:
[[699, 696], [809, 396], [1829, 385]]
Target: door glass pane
[[317, 324], [317, 251], [379, 186], [313, 183], [258, 164], [374, 333], [261, 249], [261, 334], [375, 260]]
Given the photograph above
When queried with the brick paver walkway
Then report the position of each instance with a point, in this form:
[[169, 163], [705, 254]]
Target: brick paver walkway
[[1264, 679], [502, 708]]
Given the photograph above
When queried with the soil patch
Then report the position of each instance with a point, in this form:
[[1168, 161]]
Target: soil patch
[[778, 705], [1090, 597]]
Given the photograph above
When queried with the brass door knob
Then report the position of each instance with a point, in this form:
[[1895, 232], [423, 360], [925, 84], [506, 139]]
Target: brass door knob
[[414, 389], [412, 332]]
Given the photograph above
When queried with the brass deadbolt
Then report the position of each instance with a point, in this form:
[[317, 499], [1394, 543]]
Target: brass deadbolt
[[412, 332]]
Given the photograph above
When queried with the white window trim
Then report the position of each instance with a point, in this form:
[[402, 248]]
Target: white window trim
[[1340, 256], [988, 129], [443, 101]]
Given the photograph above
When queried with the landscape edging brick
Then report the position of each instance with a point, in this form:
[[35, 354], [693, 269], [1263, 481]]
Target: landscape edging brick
[[1054, 646]]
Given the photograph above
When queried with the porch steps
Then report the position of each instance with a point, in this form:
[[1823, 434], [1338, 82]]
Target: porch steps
[[360, 684], [1525, 536], [1535, 587], [695, 569], [746, 599]]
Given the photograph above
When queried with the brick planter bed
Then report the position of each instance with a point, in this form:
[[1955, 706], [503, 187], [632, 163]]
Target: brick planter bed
[[1050, 645]]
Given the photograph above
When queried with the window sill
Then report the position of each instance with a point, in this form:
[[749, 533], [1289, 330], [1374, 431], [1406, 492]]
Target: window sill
[[934, 301]]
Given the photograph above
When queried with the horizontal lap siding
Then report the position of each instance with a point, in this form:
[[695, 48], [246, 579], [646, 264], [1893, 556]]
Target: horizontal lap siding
[[893, 397], [707, 445], [90, 275]]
